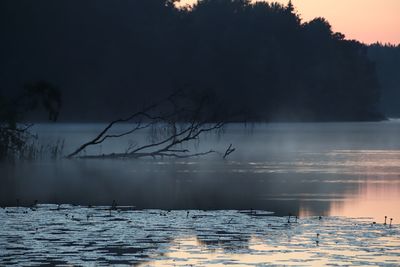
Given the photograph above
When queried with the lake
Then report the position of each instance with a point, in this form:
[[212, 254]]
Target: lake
[[345, 169], [348, 173]]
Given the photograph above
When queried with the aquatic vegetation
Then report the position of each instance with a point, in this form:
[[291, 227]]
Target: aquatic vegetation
[[16, 140], [79, 235]]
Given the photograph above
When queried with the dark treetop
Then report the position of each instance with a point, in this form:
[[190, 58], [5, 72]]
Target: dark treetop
[[110, 57], [387, 58]]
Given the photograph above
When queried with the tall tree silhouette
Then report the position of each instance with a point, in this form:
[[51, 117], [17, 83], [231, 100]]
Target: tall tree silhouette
[[257, 58], [387, 58]]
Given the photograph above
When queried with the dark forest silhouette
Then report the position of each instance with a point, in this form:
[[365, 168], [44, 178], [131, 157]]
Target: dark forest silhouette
[[258, 59], [387, 58]]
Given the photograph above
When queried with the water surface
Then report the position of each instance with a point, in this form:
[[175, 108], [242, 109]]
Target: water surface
[[83, 236], [337, 169]]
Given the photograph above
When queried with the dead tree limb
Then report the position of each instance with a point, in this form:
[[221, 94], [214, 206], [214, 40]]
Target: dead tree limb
[[184, 125], [140, 115], [228, 151]]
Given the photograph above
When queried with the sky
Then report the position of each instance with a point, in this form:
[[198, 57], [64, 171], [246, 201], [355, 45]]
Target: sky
[[368, 21]]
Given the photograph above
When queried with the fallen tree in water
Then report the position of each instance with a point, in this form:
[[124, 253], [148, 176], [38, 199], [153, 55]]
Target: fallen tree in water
[[173, 123]]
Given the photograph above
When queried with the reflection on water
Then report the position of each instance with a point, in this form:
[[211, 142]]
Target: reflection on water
[[188, 251], [336, 169], [350, 169], [98, 236], [376, 199]]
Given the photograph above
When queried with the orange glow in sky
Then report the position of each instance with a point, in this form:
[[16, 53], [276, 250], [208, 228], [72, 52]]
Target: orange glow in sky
[[368, 21]]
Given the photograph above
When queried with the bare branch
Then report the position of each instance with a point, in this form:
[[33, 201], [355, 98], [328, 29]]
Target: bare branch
[[102, 136], [167, 143], [228, 151], [144, 155]]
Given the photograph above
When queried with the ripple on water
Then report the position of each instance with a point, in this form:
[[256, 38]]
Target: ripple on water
[[81, 236]]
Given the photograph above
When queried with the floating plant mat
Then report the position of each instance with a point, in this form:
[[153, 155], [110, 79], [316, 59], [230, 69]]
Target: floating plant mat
[[75, 235]]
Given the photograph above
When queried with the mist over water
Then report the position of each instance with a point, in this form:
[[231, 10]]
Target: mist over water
[[350, 169]]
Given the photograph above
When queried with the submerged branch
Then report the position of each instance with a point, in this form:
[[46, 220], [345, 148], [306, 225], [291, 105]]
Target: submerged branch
[[169, 141], [228, 151], [146, 155], [142, 114]]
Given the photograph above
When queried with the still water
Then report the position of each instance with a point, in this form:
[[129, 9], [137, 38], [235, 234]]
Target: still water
[[338, 169], [210, 211]]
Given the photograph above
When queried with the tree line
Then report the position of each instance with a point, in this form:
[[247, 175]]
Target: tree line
[[256, 59], [387, 59]]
